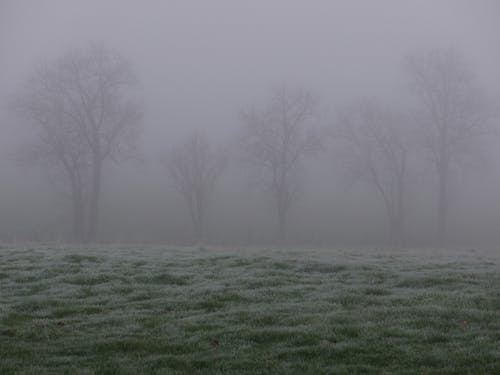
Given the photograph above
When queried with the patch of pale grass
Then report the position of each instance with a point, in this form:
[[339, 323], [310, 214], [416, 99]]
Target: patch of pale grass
[[150, 310]]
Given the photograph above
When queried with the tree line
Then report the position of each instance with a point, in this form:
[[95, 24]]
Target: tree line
[[84, 115]]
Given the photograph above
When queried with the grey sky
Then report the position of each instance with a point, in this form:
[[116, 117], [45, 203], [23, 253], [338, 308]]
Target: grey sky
[[200, 62]]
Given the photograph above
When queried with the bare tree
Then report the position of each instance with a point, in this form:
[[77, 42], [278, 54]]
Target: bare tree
[[377, 147], [59, 149], [452, 117], [83, 118], [276, 139], [194, 168]]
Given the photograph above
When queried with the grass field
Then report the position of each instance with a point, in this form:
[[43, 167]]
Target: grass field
[[188, 311]]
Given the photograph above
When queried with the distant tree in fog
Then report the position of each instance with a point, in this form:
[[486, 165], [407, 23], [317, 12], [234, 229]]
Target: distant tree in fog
[[194, 168], [377, 145], [84, 118], [453, 115], [275, 140]]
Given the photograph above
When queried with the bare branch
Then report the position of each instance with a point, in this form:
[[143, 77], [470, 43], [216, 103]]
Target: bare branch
[[277, 138]]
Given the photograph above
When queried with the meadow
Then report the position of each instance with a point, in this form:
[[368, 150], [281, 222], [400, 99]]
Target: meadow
[[160, 310]]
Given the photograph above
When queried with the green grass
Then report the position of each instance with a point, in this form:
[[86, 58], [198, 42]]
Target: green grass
[[156, 311]]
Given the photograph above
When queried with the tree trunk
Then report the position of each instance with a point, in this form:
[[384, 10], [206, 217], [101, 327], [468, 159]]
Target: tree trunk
[[78, 204], [442, 204], [393, 230], [78, 214], [78, 220], [396, 231], [400, 209], [198, 231], [282, 205], [93, 220], [282, 225], [201, 217]]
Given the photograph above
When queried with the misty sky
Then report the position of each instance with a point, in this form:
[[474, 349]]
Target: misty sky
[[200, 62]]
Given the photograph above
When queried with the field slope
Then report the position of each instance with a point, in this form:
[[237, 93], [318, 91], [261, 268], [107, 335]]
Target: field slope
[[187, 311]]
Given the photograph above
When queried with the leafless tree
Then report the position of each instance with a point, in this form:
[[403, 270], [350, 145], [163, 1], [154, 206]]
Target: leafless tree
[[377, 147], [276, 138], [194, 168], [84, 118], [60, 149], [453, 115]]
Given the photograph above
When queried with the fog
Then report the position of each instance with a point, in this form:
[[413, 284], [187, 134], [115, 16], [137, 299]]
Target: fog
[[204, 67]]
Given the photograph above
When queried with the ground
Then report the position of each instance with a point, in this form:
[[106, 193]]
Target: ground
[[155, 310]]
